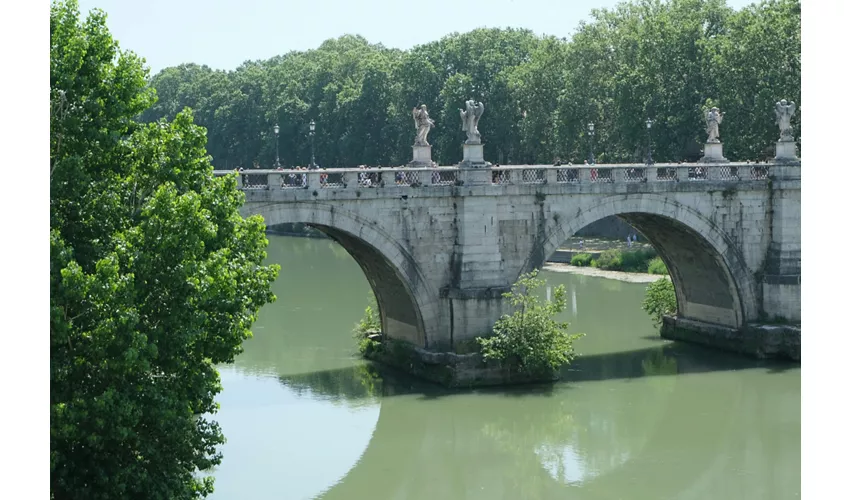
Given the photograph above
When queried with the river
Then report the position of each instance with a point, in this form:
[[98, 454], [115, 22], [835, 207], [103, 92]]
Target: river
[[634, 417]]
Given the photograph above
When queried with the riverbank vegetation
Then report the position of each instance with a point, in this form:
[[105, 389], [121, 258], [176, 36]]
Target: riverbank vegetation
[[634, 261], [660, 300], [154, 279], [643, 58], [530, 340]]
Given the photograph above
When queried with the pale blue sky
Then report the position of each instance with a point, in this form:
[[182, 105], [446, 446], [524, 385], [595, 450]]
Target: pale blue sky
[[224, 33]]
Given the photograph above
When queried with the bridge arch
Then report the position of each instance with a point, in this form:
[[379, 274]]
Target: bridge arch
[[711, 278], [409, 309]]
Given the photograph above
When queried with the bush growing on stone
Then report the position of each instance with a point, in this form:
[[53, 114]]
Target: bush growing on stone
[[660, 300], [368, 326], [530, 340], [657, 266], [581, 260]]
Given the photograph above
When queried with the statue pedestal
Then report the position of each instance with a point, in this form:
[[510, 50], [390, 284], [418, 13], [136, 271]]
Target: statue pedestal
[[421, 157], [713, 153], [473, 156], [474, 170], [786, 151]]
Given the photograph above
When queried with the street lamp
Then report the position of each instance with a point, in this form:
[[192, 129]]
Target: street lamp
[[649, 123], [591, 133], [276, 145], [312, 144]]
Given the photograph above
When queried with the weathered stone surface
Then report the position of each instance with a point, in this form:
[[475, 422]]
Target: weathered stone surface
[[713, 153], [759, 340], [439, 256], [473, 155], [786, 150], [421, 156], [451, 369]]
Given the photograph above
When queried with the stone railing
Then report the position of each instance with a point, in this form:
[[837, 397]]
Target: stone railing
[[344, 178], [355, 178]]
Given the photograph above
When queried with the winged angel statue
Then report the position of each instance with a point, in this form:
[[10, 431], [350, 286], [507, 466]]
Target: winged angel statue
[[784, 110], [470, 119]]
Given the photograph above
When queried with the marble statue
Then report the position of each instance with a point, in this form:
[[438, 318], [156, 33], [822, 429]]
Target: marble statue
[[470, 119], [423, 125], [713, 119], [784, 111]]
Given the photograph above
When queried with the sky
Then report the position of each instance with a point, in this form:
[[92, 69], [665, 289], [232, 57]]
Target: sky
[[223, 34]]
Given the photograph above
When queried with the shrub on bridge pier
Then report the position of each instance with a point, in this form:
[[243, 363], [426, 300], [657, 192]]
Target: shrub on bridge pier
[[530, 340], [367, 331], [660, 300]]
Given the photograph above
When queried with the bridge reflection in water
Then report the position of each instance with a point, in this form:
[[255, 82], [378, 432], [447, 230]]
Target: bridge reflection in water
[[635, 416], [570, 441]]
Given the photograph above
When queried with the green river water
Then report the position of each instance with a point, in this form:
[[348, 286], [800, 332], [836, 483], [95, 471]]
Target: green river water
[[635, 417]]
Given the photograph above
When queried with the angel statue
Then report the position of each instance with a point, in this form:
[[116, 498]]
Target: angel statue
[[713, 119], [784, 111], [423, 125], [470, 119]]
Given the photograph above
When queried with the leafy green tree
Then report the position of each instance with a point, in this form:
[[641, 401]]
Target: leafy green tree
[[537, 84], [644, 58], [660, 300], [754, 65], [154, 279], [530, 339]]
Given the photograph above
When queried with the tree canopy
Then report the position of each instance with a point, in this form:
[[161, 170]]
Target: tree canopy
[[668, 60], [154, 278]]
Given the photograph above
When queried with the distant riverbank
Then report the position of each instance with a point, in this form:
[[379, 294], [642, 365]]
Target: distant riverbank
[[601, 273]]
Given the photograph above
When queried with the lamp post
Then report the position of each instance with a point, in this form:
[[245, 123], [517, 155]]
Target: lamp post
[[276, 145], [649, 123], [591, 133], [312, 144]]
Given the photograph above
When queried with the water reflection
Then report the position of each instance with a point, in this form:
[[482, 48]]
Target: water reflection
[[575, 308], [634, 417], [600, 434]]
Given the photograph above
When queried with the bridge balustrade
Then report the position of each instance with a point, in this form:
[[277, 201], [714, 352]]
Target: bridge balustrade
[[502, 175]]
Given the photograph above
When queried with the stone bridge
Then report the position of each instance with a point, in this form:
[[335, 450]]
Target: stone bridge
[[440, 245]]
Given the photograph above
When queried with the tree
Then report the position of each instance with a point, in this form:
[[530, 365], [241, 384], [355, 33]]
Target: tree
[[154, 278], [530, 339], [756, 64]]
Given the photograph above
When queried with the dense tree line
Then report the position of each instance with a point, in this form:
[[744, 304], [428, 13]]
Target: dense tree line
[[668, 60]]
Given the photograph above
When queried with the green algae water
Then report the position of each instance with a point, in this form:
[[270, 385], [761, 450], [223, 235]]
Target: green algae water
[[634, 417]]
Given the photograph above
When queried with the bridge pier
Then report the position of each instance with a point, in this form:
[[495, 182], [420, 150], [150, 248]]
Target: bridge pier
[[781, 287], [756, 340]]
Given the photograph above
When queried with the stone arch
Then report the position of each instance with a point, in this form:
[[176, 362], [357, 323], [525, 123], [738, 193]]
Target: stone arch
[[712, 281], [408, 307]]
